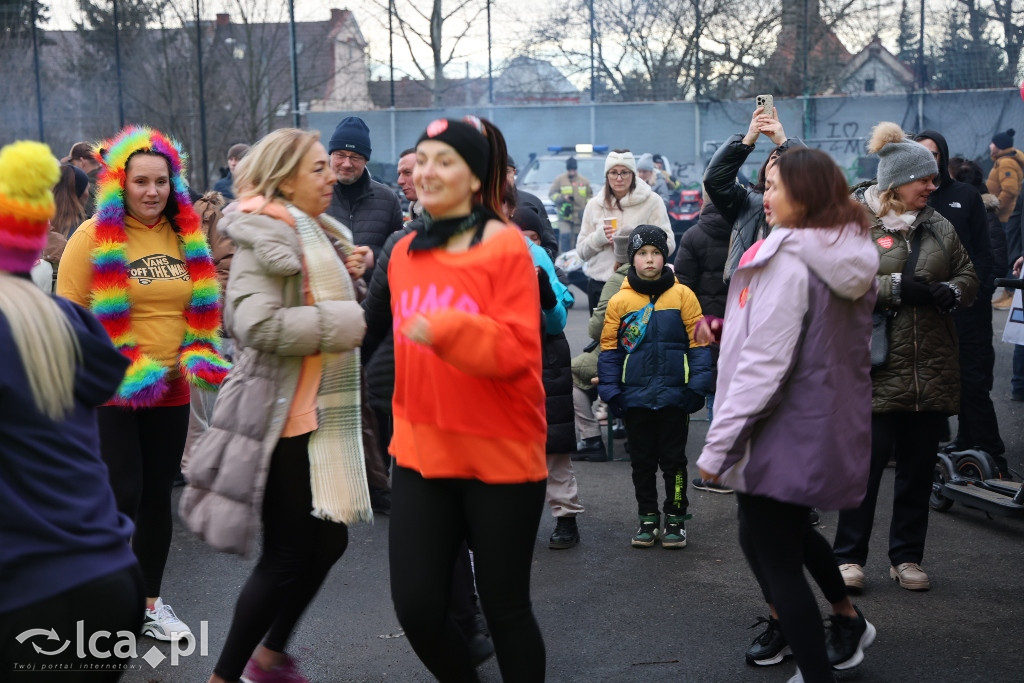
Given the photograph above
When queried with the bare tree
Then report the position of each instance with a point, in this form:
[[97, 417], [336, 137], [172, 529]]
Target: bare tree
[[1009, 14], [657, 49], [434, 38]]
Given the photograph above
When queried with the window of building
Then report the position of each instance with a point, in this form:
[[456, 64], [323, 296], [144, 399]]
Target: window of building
[[869, 85]]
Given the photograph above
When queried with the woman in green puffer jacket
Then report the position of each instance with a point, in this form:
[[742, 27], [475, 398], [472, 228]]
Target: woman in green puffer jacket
[[924, 274]]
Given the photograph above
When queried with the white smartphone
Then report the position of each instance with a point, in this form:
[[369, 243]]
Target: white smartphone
[[768, 102]]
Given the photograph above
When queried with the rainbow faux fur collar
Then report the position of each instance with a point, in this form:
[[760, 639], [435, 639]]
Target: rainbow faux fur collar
[[199, 356]]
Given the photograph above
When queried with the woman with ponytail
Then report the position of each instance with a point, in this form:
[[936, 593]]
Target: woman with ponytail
[[469, 435], [64, 554], [142, 265]]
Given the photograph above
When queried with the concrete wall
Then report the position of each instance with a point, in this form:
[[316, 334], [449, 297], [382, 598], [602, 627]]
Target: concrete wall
[[688, 133]]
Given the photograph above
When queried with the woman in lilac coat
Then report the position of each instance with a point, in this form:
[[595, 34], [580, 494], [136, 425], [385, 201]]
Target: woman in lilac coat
[[792, 425]]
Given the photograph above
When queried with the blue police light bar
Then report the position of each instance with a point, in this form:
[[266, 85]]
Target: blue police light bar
[[581, 148]]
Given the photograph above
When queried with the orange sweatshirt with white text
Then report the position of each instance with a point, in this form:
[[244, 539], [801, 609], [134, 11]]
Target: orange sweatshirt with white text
[[471, 405]]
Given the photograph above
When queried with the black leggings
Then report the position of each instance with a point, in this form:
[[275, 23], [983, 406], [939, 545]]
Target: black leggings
[[142, 450], [110, 603], [430, 519], [778, 540], [298, 551]]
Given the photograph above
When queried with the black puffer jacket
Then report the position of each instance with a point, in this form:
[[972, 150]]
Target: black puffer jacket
[[742, 207], [996, 235], [700, 259], [962, 205], [372, 216], [557, 378], [379, 343], [922, 372]]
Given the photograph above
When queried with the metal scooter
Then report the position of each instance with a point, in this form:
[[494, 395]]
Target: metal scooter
[[969, 476]]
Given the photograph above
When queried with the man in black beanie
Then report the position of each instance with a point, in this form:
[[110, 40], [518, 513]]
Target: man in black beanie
[[369, 208]]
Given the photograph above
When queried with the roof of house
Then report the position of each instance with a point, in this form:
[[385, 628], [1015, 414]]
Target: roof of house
[[875, 51]]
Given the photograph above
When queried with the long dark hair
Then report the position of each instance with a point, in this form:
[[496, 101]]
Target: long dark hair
[[492, 189], [70, 210], [818, 187]]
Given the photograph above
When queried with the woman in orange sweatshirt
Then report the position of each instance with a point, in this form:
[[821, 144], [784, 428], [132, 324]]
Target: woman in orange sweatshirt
[[469, 415]]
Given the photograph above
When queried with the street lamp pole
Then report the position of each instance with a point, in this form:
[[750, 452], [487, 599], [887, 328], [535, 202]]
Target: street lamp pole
[[35, 65], [296, 115], [117, 68], [202, 98], [391, 49], [490, 74], [593, 37]]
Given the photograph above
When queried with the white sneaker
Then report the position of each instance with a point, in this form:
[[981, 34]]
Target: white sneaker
[[799, 678], [163, 624]]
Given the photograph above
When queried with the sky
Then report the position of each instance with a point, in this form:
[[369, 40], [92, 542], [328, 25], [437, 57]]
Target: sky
[[372, 23]]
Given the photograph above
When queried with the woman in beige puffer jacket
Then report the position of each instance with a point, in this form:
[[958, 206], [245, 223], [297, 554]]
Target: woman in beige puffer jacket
[[291, 308], [631, 203]]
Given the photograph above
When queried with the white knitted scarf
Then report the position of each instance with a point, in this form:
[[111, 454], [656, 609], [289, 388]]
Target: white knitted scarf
[[337, 471]]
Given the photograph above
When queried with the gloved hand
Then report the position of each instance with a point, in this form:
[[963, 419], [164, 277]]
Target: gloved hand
[[915, 292], [548, 300], [617, 405], [942, 295], [692, 401]]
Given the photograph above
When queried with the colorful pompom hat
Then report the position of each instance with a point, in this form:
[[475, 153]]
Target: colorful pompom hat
[[28, 172]]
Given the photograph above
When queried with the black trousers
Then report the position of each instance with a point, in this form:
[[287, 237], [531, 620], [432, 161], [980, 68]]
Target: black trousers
[[657, 438], [594, 288], [978, 426], [111, 603], [913, 439], [142, 450], [298, 551], [778, 541], [430, 520]]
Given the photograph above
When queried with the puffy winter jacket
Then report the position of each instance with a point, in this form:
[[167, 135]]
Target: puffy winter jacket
[[373, 215], [793, 413], [1005, 178], [668, 368], [380, 340], [639, 207], [700, 260], [922, 372], [274, 330], [742, 207]]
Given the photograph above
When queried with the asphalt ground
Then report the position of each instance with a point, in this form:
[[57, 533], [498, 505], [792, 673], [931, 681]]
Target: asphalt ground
[[613, 613]]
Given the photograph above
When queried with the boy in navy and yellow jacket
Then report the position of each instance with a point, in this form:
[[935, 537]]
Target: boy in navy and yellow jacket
[[654, 373]]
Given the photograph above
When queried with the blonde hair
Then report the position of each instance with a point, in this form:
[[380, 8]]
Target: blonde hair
[[272, 161], [46, 344], [890, 202]]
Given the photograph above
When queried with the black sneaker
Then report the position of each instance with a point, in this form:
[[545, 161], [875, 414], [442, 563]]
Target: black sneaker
[[770, 647], [846, 639], [814, 517], [565, 535], [708, 485], [590, 449]]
